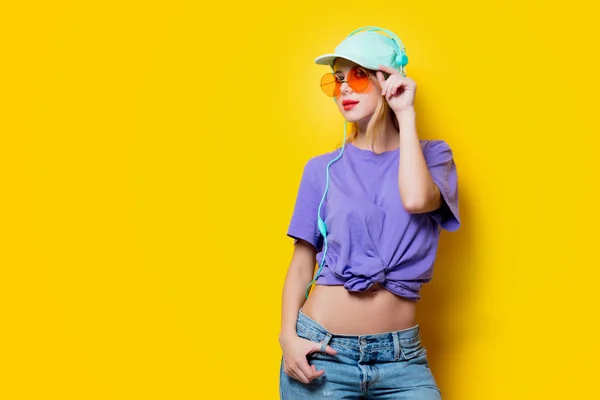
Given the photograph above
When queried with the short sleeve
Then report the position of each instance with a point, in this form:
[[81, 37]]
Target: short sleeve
[[442, 168], [303, 223]]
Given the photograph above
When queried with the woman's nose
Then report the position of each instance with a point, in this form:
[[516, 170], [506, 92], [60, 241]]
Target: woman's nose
[[345, 87]]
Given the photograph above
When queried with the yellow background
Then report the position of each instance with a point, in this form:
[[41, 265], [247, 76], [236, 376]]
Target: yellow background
[[149, 159]]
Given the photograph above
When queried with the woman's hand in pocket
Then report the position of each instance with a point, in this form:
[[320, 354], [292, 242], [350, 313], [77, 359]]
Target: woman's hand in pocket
[[295, 349]]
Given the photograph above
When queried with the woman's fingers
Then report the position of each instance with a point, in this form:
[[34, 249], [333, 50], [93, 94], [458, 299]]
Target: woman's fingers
[[307, 371], [380, 78], [317, 373], [389, 85], [393, 86], [296, 364], [303, 371], [395, 80], [389, 70], [289, 371], [299, 371]]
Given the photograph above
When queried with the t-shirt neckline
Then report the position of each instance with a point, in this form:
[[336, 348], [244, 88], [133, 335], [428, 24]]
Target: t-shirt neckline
[[369, 153]]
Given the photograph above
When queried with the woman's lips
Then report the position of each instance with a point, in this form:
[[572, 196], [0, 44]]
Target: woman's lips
[[348, 105]]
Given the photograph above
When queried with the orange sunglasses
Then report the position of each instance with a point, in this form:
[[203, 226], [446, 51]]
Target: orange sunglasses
[[358, 79]]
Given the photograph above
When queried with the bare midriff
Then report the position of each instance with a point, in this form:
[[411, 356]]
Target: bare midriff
[[375, 310]]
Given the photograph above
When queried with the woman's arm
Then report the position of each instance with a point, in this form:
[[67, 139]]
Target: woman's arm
[[295, 348], [299, 274], [418, 191]]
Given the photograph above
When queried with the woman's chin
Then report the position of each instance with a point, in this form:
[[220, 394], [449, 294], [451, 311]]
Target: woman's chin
[[352, 116], [355, 115]]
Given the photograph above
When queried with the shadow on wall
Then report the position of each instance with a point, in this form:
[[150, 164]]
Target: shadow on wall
[[444, 299]]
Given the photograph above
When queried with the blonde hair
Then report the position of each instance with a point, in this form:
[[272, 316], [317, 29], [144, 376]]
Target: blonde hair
[[376, 123]]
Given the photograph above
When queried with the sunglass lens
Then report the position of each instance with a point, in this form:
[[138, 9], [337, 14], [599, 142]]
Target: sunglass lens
[[358, 79], [330, 85]]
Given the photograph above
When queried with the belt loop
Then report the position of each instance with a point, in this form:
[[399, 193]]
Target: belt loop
[[396, 346], [325, 342]]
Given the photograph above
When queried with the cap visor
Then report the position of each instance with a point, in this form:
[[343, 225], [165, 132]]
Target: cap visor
[[328, 59]]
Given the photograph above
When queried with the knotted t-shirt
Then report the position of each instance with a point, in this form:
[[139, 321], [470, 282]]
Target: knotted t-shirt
[[371, 237]]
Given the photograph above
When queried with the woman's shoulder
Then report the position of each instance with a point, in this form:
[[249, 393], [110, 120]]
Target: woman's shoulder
[[316, 165], [434, 144], [320, 160]]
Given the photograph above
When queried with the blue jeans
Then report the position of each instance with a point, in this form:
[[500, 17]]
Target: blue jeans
[[390, 365]]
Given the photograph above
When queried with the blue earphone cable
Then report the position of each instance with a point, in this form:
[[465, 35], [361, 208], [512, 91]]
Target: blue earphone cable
[[320, 222]]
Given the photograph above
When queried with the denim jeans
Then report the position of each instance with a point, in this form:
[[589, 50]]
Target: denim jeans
[[390, 365]]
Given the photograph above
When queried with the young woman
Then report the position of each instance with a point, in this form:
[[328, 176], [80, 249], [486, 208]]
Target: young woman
[[370, 215]]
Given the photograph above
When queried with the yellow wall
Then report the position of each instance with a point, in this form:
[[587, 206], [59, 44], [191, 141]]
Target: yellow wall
[[149, 159]]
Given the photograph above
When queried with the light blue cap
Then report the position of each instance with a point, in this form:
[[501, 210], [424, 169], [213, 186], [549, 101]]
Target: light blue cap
[[368, 48]]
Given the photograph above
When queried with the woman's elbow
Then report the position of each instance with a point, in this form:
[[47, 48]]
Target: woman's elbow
[[423, 204]]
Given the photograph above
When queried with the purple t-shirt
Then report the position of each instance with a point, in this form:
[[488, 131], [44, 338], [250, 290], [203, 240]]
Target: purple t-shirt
[[371, 237]]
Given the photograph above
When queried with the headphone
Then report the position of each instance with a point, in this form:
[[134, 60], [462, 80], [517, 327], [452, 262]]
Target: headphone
[[401, 58], [400, 61]]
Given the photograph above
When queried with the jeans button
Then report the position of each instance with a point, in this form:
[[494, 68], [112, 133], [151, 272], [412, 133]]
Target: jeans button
[[363, 341]]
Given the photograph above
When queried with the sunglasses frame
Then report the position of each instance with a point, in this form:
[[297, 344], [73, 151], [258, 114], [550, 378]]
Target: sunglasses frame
[[365, 70]]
